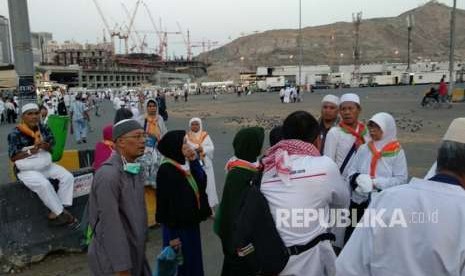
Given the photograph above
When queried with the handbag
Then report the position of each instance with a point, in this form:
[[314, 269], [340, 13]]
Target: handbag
[[168, 262], [35, 162]]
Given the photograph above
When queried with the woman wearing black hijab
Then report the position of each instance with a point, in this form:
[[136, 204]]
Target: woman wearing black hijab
[[241, 169], [182, 202]]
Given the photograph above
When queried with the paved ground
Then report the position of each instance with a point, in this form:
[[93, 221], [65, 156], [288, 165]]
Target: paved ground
[[420, 131]]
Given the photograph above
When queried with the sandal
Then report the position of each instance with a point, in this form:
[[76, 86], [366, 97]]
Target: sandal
[[65, 219]]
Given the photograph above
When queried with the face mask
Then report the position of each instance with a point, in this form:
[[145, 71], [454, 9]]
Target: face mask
[[132, 168]]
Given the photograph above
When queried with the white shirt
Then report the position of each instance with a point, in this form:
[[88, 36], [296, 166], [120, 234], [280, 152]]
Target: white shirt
[[432, 243], [390, 171], [338, 144], [315, 185]]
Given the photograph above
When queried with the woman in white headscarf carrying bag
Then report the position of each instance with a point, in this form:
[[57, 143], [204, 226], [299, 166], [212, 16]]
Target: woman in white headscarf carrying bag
[[201, 142], [377, 165]]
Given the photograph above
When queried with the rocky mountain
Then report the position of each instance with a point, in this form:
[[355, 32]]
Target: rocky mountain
[[381, 40]]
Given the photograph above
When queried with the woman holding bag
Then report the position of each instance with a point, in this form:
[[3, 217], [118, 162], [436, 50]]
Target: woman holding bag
[[182, 202]]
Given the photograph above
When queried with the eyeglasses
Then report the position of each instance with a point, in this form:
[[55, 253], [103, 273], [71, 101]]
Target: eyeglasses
[[138, 137]]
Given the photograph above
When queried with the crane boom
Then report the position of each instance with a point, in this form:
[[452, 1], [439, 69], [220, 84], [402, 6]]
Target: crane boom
[[105, 22], [131, 22], [186, 41], [131, 32]]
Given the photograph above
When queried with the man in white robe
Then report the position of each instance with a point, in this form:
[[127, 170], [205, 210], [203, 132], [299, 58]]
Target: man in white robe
[[297, 180], [343, 141], [287, 95], [425, 222]]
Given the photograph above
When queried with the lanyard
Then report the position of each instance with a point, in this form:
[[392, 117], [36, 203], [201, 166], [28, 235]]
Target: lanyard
[[188, 176]]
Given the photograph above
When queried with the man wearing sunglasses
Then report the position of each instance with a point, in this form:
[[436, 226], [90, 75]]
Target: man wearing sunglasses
[[29, 147]]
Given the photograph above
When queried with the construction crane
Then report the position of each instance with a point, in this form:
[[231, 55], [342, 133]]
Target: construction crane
[[206, 45], [125, 36], [165, 41], [157, 31], [132, 32], [111, 32], [187, 41]]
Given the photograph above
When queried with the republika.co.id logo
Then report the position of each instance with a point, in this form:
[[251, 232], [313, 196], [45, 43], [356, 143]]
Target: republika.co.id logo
[[304, 218]]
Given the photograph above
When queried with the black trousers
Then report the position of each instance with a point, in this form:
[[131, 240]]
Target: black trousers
[[360, 208]]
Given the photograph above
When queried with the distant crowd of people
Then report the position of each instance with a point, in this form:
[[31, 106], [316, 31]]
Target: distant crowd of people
[[290, 94]]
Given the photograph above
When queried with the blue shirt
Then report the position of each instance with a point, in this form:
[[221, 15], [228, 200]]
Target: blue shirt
[[17, 140], [78, 108]]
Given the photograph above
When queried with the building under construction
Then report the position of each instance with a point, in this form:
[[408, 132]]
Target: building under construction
[[97, 66], [100, 65]]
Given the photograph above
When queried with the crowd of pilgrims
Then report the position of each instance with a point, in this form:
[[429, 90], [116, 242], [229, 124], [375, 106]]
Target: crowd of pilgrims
[[336, 162]]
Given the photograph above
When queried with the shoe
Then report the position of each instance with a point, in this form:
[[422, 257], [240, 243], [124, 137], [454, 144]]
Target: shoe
[[84, 140], [65, 219]]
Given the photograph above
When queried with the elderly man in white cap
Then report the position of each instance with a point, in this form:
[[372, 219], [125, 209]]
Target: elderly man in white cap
[[329, 117], [343, 141], [424, 222], [29, 146]]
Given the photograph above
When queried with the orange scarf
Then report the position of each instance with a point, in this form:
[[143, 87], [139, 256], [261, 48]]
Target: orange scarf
[[197, 140], [24, 129], [359, 135], [390, 149], [152, 128]]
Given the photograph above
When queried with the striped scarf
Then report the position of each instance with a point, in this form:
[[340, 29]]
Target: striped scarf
[[187, 175], [389, 150], [242, 164], [358, 134]]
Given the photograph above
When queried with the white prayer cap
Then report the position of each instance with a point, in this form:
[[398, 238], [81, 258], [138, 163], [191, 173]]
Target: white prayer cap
[[456, 131], [350, 97], [29, 107], [330, 99]]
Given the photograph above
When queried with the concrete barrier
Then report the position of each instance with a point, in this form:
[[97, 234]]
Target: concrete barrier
[[25, 236]]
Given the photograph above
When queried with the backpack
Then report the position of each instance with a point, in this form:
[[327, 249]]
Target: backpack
[[255, 235]]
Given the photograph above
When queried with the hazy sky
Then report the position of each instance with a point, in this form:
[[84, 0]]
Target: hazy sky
[[215, 20]]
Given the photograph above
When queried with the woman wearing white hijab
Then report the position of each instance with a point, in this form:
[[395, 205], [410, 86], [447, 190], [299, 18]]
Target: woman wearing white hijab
[[378, 164], [201, 142]]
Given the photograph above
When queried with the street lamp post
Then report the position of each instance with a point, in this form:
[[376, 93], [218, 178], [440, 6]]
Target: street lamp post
[[452, 49], [300, 43], [410, 23]]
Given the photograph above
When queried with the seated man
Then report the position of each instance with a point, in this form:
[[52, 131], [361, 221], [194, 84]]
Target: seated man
[[29, 146]]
